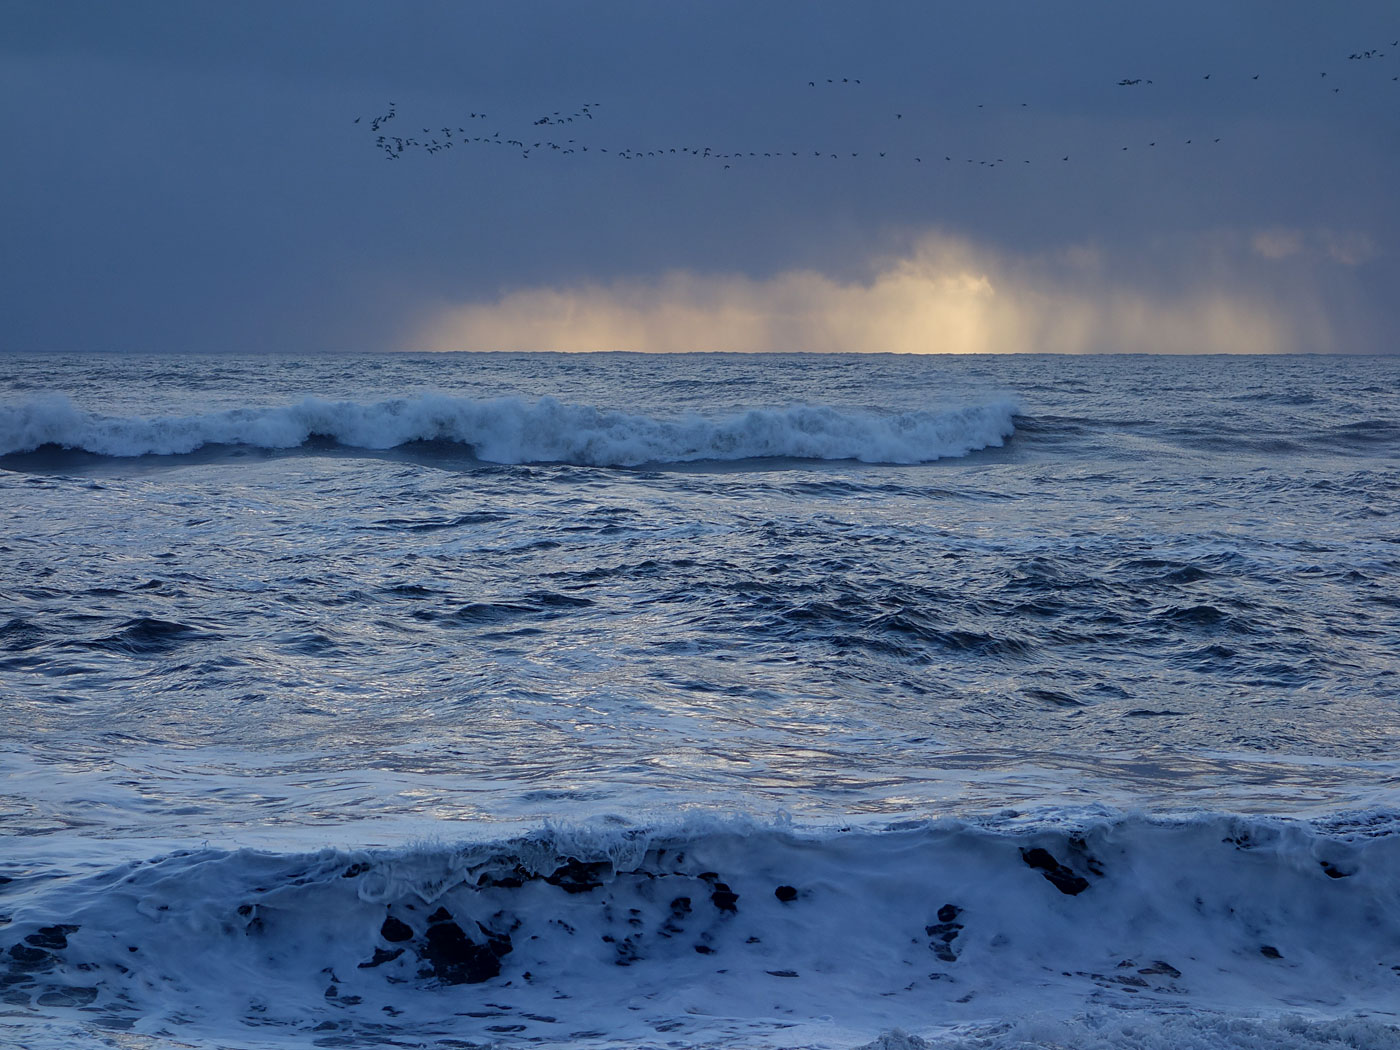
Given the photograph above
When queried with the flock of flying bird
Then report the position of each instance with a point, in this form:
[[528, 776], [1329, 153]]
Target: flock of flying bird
[[545, 136]]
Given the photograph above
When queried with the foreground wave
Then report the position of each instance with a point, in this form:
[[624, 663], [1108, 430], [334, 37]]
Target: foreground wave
[[512, 430], [726, 934]]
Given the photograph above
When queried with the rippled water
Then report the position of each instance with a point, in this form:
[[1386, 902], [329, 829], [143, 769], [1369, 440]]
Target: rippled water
[[377, 617]]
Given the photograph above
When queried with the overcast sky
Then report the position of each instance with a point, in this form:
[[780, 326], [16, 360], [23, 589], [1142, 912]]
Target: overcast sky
[[186, 175]]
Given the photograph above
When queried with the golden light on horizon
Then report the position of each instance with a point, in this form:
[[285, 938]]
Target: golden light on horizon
[[944, 296]]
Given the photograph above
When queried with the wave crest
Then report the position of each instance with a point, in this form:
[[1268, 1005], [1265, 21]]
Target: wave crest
[[698, 929], [514, 430]]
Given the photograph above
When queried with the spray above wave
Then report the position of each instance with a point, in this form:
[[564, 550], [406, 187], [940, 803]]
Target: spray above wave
[[512, 430]]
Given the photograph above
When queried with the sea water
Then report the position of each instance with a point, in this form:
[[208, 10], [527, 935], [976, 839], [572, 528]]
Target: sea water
[[699, 700]]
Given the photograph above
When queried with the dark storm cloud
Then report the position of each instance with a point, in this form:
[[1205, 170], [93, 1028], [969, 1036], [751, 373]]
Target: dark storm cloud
[[189, 176]]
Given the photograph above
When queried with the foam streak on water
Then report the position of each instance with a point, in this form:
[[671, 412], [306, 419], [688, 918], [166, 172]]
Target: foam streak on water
[[699, 701]]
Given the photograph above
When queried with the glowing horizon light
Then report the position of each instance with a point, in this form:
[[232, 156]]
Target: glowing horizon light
[[943, 296]]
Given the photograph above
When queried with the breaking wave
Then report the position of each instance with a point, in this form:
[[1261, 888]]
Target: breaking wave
[[512, 430], [711, 929]]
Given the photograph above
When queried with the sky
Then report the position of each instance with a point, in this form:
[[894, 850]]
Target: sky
[[190, 176]]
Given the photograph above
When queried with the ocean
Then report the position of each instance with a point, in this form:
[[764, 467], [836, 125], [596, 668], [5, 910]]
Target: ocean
[[777, 701]]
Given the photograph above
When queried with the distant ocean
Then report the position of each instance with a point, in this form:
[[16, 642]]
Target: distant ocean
[[610, 701]]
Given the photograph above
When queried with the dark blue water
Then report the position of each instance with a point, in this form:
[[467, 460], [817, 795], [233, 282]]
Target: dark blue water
[[362, 602]]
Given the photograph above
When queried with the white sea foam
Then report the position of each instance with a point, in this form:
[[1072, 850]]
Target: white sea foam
[[512, 430], [1113, 1030], [1112, 931]]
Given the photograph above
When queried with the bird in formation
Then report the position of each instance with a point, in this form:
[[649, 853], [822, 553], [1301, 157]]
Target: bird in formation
[[395, 147]]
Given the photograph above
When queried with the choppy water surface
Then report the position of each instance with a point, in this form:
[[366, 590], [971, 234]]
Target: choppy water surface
[[363, 602]]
